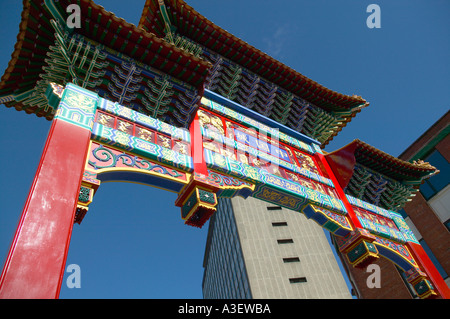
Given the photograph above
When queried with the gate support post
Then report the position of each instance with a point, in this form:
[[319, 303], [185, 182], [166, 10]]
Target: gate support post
[[432, 282], [34, 267], [428, 282], [198, 198]]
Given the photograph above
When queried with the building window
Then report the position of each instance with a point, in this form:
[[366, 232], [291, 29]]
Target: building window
[[291, 260], [434, 184], [274, 208], [447, 224], [285, 241], [403, 213], [297, 280], [278, 224]]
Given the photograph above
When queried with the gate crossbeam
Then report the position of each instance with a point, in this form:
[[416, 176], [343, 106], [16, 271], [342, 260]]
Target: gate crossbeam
[[226, 153]]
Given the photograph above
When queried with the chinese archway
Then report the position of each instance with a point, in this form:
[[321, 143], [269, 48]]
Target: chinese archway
[[181, 104]]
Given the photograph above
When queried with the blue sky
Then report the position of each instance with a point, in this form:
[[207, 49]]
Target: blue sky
[[132, 243]]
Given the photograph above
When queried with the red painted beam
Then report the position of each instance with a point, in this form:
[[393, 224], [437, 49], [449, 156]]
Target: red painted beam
[[35, 264], [198, 154], [429, 268], [344, 163], [350, 213]]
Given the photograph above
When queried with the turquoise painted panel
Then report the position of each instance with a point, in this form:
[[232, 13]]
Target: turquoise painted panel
[[77, 106], [141, 147], [405, 233], [247, 121], [214, 136], [264, 179], [144, 120], [382, 230], [404, 228], [370, 207]]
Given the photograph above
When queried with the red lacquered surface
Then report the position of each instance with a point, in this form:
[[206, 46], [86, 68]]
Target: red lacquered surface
[[34, 267]]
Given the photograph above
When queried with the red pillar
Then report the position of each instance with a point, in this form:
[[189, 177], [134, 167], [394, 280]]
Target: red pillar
[[429, 268], [420, 256], [35, 264], [350, 213], [198, 155]]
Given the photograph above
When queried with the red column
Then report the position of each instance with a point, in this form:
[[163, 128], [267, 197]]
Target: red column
[[35, 264], [420, 255], [429, 268], [198, 155], [350, 213]]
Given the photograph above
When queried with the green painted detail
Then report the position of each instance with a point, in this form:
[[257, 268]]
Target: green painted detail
[[361, 250], [371, 247], [159, 95], [282, 107], [230, 79], [77, 57], [52, 97], [186, 45], [357, 252], [141, 147], [318, 123], [54, 11], [423, 287], [331, 226], [167, 22], [206, 196], [190, 203], [381, 190], [84, 195], [69, 59], [403, 227], [77, 106]]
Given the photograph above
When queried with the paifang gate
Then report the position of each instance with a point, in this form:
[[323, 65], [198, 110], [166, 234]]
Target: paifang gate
[[166, 105]]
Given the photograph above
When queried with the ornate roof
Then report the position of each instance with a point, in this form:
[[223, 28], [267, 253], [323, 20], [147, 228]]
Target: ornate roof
[[32, 59], [372, 175], [392, 166], [386, 164], [161, 67], [250, 77], [191, 24]]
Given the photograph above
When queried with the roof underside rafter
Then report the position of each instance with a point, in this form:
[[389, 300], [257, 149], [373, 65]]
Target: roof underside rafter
[[160, 68], [107, 55], [248, 76], [378, 177], [186, 47]]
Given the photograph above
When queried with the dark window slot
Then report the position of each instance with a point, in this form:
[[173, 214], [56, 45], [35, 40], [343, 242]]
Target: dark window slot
[[285, 241], [297, 280], [291, 260], [278, 224]]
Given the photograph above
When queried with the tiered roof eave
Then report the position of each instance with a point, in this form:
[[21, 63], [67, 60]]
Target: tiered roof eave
[[255, 60], [36, 35], [388, 165]]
